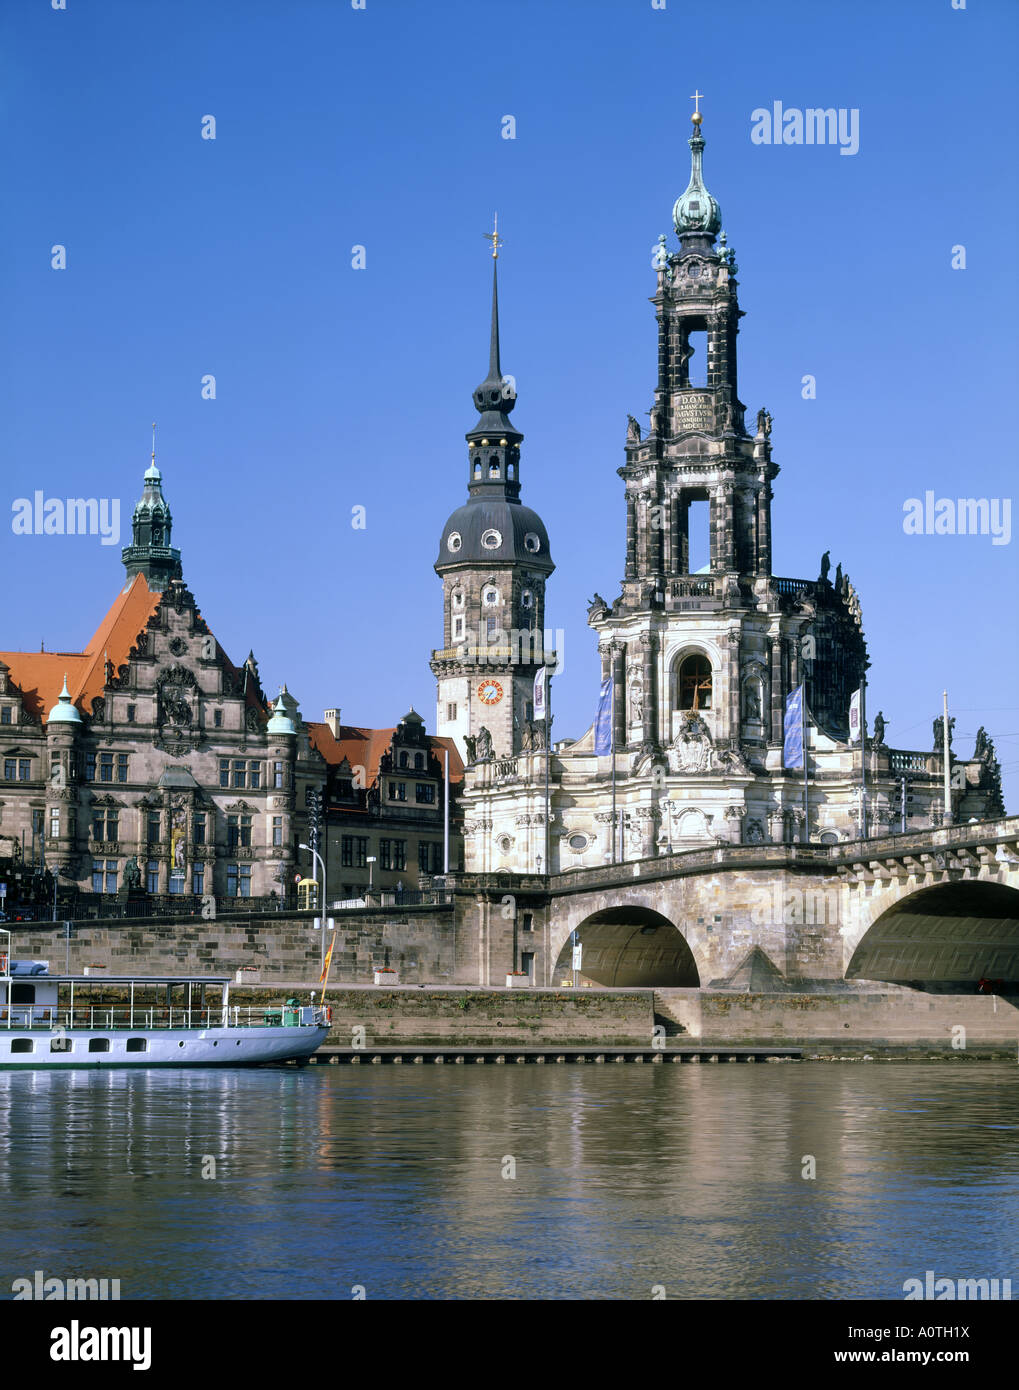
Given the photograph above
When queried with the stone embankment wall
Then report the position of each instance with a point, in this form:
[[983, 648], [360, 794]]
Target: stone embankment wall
[[486, 1018], [419, 944], [889, 1018]]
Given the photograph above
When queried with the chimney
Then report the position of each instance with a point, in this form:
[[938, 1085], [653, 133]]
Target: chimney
[[332, 718]]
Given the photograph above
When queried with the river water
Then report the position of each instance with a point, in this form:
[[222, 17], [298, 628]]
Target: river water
[[468, 1182]]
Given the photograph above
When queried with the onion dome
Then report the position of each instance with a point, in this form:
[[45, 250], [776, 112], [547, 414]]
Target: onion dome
[[696, 210]]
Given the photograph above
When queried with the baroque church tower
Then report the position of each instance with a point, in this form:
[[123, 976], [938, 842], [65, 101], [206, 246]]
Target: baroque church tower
[[493, 560], [703, 644]]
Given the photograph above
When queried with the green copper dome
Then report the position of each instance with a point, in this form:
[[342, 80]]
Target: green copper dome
[[280, 723], [64, 712], [696, 210]]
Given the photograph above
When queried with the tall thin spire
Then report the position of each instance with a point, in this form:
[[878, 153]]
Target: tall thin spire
[[494, 369]]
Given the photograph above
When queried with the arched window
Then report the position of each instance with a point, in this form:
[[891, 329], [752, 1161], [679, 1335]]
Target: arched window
[[694, 683], [419, 760], [403, 759], [493, 469]]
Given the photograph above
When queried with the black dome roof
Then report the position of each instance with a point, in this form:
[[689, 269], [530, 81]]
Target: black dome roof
[[521, 532]]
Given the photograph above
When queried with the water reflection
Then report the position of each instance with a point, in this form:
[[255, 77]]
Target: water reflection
[[625, 1178]]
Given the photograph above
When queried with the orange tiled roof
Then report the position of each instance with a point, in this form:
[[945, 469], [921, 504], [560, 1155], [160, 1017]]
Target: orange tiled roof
[[365, 747], [40, 675]]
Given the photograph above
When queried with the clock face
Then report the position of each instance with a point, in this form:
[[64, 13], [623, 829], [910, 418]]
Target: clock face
[[489, 692]]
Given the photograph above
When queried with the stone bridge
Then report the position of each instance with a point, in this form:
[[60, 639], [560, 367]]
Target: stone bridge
[[936, 909]]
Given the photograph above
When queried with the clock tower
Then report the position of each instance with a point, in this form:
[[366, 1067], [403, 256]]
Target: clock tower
[[493, 562]]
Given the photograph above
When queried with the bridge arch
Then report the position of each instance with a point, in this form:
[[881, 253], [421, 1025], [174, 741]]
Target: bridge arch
[[946, 937], [629, 947]]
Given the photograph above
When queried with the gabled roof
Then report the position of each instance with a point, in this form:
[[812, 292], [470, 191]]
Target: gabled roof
[[365, 748], [40, 675]]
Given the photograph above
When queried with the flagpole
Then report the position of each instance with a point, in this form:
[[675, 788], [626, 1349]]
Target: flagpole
[[803, 745], [612, 747], [863, 754], [445, 819], [946, 754], [548, 754]]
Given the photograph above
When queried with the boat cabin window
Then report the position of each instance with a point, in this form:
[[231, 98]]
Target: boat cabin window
[[98, 1044], [60, 1044], [22, 993], [23, 1045], [137, 1045]]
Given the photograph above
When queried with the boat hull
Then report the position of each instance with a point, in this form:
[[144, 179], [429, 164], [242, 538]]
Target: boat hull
[[164, 1047]]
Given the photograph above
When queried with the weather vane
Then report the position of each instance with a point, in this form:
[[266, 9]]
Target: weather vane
[[495, 239]]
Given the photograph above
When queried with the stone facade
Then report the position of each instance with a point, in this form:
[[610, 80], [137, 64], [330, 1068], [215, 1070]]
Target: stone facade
[[702, 662], [161, 752]]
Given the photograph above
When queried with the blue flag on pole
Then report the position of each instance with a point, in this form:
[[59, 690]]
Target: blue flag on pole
[[603, 723], [792, 746]]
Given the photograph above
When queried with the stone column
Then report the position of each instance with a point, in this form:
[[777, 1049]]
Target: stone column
[[722, 547], [764, 529], [775, 655], [631, 537], [648, 648], [733, 676], [619, 694]]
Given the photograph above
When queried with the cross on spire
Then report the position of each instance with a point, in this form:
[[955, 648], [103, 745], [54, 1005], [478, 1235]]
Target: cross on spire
[[153, 441], [696, 99], [494, 237]]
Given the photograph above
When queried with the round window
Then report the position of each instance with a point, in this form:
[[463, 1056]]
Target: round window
[[505, 844], [578, 842], [491, 539], [454, 541], [532, 542]]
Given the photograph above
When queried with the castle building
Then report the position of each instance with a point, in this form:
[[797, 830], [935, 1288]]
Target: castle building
[[701, 661], [148, 760]]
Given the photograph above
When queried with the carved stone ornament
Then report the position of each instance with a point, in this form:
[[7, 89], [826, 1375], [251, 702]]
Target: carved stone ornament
[[178, 646]]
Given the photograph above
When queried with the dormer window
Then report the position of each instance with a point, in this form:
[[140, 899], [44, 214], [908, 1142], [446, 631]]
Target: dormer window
[[491, 539], [454, 541], [532, 542]]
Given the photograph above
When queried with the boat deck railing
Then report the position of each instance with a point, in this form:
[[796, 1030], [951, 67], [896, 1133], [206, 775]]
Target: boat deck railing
[[37, 1016]]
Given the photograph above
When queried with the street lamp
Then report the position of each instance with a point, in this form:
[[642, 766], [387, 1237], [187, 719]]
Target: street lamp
[[322, 900], [56, 875], [370, 860]]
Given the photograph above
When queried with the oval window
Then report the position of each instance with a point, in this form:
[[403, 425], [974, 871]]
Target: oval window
[[532, 542], [491, 539], [578, 842], [454, 541]]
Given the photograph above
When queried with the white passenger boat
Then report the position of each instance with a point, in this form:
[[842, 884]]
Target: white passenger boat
[[153, 1021]]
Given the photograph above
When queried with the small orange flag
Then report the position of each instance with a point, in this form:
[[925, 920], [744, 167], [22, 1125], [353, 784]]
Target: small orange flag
[[328, 961]]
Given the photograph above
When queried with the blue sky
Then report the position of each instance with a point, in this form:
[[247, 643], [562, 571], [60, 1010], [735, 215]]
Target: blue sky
[[338, 388]]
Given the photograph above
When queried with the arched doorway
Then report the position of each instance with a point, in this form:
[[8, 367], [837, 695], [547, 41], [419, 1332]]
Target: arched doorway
[[629, 948], [947, 939]]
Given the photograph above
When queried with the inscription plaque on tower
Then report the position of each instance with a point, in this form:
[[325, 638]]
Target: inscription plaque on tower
[[692, 410]]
